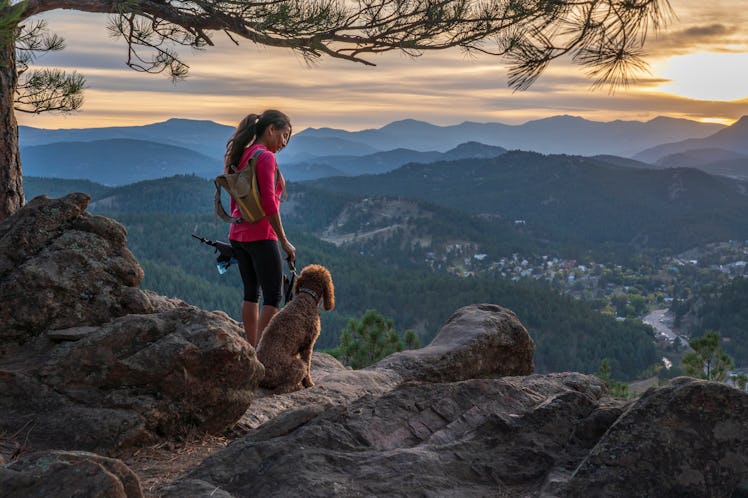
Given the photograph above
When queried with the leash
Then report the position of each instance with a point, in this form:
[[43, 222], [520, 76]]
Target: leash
[[288, 283]]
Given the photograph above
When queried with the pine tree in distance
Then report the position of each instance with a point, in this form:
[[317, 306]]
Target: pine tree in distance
[[368, 340], [707, 360]]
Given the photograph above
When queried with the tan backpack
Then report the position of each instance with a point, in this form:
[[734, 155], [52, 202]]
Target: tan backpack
[[243, 188]]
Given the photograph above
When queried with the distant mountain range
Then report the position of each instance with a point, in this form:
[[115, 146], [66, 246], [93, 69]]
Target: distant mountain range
[[732, 138], [554, 135], [206, 137], [121, 155], [723, 153], [116, 161], [561, 201], [381, 162]]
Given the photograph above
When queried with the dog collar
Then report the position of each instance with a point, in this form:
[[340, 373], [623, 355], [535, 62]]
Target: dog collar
[[309, 291]]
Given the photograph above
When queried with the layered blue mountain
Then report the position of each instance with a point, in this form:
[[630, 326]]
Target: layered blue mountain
[[731, 139], [190, 146], [559, 134], [206, 137], [713, 161], [381, 162], [116, 161]]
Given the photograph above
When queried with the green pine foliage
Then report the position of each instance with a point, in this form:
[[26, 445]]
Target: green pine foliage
[[707, 360], [617, 389], [366, 341], [726, 311]]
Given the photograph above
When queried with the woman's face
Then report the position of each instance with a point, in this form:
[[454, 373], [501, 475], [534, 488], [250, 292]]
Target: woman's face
[[277, 137]]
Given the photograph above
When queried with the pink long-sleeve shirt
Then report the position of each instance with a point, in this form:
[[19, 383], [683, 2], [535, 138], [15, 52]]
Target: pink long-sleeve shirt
[[270, 196]]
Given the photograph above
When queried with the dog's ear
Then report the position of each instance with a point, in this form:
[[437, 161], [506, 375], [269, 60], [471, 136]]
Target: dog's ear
[[328, 292]]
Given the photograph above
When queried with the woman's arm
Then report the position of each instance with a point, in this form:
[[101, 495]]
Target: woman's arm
[[275, 222]]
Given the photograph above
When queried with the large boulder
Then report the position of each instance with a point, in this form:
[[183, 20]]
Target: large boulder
[[88, 361], [66, 473], [62, 267], [689, 438], [480, 340], [131, 381], [482, 437]]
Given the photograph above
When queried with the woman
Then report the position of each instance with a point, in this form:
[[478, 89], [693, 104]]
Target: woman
[[256, 244]]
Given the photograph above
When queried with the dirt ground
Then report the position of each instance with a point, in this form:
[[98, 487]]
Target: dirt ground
[[158, 465]]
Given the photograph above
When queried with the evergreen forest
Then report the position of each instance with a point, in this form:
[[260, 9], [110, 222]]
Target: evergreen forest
[[385, 274]]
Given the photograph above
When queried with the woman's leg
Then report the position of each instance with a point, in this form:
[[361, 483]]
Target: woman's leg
[[249, 322], [269, 270], [266, 314], [261, 267], [250, 310]]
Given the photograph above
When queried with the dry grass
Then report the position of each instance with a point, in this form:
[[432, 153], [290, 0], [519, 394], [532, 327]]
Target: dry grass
[[156, 465], [160, 464]]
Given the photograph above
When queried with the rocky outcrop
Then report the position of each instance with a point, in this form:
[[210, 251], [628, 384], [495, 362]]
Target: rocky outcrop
[[481, 340], [389, 431], [689, 438], [482, 437], [442, 420], [63, 267], [131, 381], [113, 367], [66, 473], [90, 362]]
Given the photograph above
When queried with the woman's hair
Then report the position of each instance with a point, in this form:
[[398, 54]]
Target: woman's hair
[[249, 129]]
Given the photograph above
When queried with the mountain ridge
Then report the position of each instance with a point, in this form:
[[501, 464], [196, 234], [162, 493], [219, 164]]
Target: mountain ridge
[[115, 161], [733, 138], [555, 134]]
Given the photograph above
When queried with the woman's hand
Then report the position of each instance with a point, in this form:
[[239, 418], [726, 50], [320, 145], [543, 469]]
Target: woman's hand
[[289, 249]]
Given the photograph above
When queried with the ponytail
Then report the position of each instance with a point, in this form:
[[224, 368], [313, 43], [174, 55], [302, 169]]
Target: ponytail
[[246, 133]]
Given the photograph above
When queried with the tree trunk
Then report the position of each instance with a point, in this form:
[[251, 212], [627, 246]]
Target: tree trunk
[[11, 178]]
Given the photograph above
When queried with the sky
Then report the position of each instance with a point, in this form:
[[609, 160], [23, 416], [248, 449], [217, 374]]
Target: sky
[[698, 70]]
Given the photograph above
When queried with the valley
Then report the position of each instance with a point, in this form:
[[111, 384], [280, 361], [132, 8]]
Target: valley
[[584, 249]]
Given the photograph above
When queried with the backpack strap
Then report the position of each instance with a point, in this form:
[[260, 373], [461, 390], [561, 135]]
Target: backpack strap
[[221, 183]]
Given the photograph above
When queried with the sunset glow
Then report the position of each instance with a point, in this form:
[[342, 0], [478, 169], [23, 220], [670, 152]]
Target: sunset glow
[[708, 76], [698, 71]]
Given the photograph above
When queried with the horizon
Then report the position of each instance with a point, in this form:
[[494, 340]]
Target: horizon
[[390, 123], [698, 64]]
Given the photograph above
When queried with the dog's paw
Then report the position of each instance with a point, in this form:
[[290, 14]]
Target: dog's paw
[[307, 382], [288, 388]]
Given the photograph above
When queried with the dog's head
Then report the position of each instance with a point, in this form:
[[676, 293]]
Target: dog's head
[[318, 279]]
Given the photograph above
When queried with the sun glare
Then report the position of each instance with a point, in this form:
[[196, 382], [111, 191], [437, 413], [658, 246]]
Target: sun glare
[[707, 76]]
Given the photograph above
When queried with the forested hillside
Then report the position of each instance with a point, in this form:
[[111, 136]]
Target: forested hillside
[[574, 201], [725, 311], [569, 334]]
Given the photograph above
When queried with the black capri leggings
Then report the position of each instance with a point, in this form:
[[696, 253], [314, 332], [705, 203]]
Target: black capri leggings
[[261, 268]]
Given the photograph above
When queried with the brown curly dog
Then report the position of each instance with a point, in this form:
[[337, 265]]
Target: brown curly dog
[[286, 345]]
